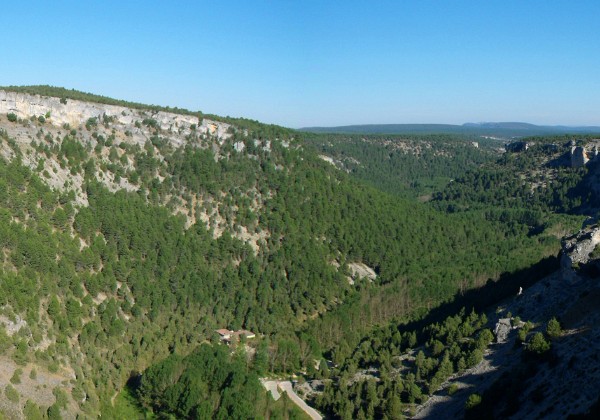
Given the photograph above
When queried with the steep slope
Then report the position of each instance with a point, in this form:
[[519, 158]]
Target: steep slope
[[517, 381]]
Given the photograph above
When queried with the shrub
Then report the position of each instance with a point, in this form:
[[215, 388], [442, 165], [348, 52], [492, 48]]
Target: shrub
[[11, 393], [150, 122], [553, 329], [53, 367], [54, 412], [12, 117], [61, 397], [473, 401], [484, 339], [538, 344], [41, 119], [31, 411], [452, 389], [474, 357], [16, 378], [91, 123]]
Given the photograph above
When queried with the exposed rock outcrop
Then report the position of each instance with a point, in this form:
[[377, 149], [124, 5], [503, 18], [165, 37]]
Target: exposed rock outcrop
[[503, 327], [74, 113], [111, 135], [579, 157], [518, 146], [360, 270], [578, 249]]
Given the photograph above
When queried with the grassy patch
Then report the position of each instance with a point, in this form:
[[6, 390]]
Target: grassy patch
[[125, 407]]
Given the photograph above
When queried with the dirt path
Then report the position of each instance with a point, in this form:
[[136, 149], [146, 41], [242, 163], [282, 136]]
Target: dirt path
[[286, 386], [271, 386]]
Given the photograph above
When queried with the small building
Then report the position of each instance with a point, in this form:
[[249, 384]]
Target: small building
[[234, 336], [224, 334]]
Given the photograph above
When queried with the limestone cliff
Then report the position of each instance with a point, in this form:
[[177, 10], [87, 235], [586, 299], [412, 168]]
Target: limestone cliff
[[75, 113], [577, 249]]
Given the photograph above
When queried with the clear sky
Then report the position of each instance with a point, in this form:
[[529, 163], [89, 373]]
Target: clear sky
[[306, 63]]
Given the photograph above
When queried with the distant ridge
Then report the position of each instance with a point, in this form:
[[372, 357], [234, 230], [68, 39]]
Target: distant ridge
[[500, 129]]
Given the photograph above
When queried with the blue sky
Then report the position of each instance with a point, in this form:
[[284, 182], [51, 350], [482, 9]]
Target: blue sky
[[306, 63]]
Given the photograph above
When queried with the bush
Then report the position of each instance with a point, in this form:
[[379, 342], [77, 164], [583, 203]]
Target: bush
[[61, 397], [452, 389], [91, 123], [41, 119], [11, 393], [16, 378], [12, 117], [31, 411], [538, 344], [474, 357], [484, 339], [473, 401], [150, 122], [553, 329], [53, 367], [54, 412]]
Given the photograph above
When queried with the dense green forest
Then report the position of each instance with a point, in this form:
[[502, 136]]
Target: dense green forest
[[208, 383], [407, 165], [396, 367], [129, 283], [538, 180], [392, 368]]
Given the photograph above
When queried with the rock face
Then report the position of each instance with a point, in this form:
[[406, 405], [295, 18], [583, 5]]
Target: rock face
[[502, 330], [360, 270], [518, 146], [75, 112], [577, 249], [579, 157]]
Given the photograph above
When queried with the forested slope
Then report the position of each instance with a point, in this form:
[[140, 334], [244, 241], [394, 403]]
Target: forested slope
[[396, 368], [130, 237], [406, 165]]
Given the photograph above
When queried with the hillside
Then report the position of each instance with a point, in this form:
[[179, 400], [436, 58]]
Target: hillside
[[405, 165], [520, 347], [131, 233]]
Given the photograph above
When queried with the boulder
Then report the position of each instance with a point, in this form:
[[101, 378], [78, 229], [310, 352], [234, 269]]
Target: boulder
[[502, 330], [578, 249]]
